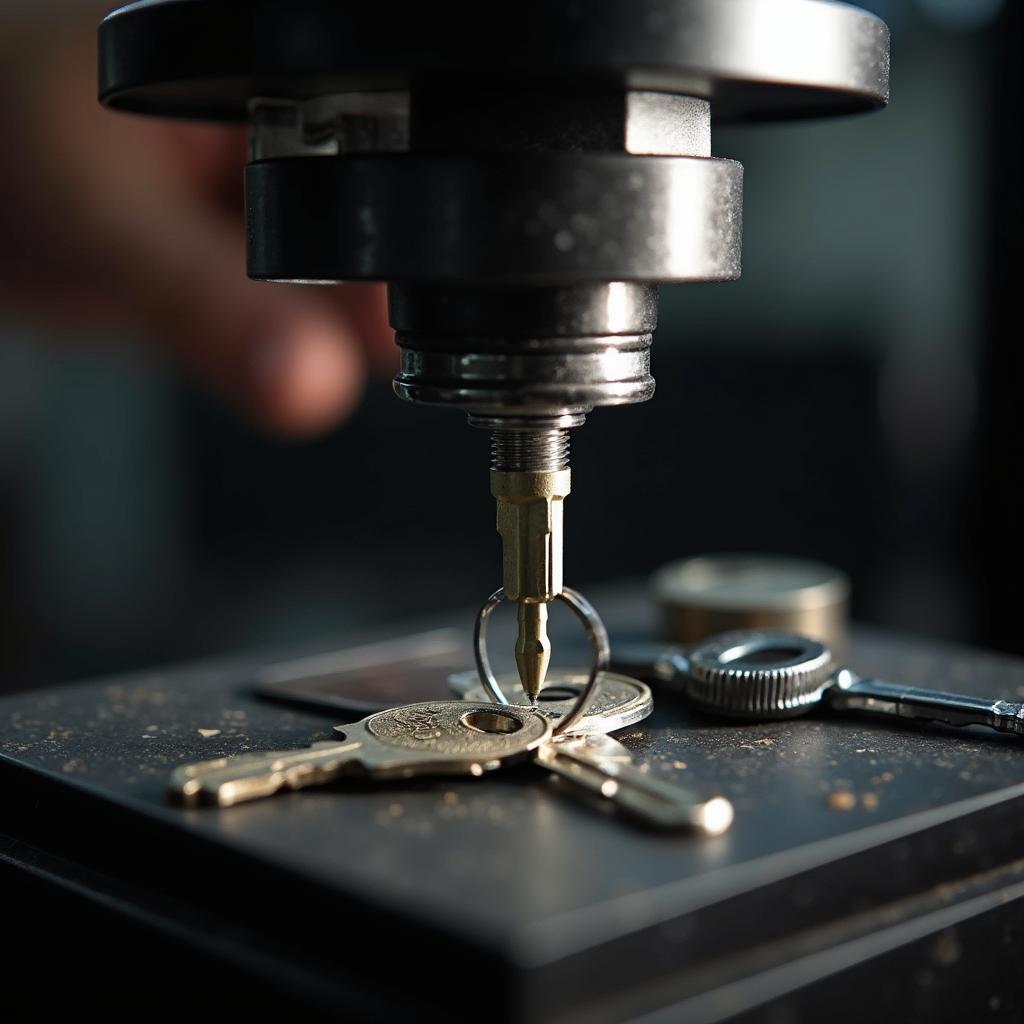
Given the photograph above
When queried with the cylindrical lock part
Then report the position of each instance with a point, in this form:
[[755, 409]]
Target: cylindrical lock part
[[699, 597]]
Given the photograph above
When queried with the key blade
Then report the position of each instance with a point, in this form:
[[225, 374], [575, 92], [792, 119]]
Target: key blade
[[596, 747], [878, 697], [649, 800], [226, 781]]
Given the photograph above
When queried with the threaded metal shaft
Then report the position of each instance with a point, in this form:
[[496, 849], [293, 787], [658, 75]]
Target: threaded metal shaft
[[530, 451], [529, 444]]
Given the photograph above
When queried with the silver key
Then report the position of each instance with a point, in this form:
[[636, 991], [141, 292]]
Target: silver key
[[594, 767], [598, 747], [600, 765], [766, 674], [434, 738]]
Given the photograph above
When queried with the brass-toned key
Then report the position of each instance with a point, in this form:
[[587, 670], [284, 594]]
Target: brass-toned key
[[435, 738]]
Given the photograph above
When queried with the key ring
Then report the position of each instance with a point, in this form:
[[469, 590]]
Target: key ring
[[596, 634]]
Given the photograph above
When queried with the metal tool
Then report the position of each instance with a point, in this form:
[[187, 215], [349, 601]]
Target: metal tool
[[759, 674], [452, 738], [523, 181]]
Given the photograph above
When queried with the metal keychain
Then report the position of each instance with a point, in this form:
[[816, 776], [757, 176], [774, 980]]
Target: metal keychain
[[453, 738], [596, 634], [761, 674]]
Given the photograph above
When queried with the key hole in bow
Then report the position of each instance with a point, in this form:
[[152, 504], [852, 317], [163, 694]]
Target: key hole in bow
[[493, 722]]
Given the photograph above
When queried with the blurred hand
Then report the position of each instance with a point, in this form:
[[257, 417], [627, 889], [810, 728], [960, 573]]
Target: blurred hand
[[110, 219]]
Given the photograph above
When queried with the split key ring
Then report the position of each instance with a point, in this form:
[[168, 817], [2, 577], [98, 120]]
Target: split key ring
[[596, 634]]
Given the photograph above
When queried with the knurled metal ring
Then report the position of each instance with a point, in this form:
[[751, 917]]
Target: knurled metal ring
[[758, 673], [596, 634]]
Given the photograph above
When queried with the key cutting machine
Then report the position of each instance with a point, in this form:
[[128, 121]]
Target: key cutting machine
[[522, 175]]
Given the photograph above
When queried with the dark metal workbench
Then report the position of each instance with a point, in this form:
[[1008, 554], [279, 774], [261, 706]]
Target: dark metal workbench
[[501, 899]]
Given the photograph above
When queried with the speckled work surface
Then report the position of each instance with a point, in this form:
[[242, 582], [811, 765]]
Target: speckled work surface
[[806, 792]]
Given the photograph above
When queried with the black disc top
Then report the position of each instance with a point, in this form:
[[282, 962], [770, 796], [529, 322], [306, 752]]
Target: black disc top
[[755, 59]]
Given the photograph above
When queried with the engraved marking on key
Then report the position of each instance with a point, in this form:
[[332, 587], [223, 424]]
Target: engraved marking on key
[[435, 738], [620, 701]]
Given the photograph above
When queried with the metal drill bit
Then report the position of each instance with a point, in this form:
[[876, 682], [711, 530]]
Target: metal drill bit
[[530, 480], [533, 648]]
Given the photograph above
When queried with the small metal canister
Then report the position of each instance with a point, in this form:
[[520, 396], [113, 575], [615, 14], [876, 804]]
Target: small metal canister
[[701, 596]]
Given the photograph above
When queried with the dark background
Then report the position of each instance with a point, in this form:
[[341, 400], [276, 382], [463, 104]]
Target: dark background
[[852, 399]]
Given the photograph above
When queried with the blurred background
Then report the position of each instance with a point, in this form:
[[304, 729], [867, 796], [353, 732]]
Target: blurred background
[[853, 399]]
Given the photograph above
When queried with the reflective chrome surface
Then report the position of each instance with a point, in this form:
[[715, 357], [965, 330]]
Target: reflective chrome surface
[[760, 674]]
